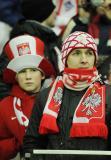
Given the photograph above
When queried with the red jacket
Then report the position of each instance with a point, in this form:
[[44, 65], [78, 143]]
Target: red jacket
[[11, 131]]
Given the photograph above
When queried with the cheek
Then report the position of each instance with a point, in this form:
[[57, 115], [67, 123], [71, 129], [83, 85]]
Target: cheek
[[20, 80], [71, 60], [92, 61], [37, 77]]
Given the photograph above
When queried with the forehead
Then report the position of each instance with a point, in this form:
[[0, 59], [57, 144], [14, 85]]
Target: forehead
[[82, 50], [27, 69]]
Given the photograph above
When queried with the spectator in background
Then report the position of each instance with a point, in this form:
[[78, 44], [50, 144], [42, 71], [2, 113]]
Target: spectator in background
[[72, 115], [101, 30], [4, 36], [10, 14], [35, 13], [43, 8], [27, 71], [40, 18], [80, 22], [66, 9]]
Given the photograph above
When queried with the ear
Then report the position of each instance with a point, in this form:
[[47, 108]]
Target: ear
[[43, 76]]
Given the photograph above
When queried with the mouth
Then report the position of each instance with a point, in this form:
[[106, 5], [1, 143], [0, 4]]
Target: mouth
[[29, 83]]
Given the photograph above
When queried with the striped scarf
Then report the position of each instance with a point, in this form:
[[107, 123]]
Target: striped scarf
[[89, 116]]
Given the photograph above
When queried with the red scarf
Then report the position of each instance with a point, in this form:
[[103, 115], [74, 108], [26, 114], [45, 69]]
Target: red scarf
[[22, 118], [79, 79], [89, 117]]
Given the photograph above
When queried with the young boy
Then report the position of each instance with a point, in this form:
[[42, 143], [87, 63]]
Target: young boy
[[27, 70]]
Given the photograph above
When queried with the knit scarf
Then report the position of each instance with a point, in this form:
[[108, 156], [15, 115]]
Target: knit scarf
[[22, 119], [79, 79], [89, 117]]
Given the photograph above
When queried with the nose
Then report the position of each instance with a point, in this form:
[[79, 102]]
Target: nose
[[83, 58], [28, 74]]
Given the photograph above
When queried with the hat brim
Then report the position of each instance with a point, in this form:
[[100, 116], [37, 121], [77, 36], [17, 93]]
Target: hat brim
[[27, 61]]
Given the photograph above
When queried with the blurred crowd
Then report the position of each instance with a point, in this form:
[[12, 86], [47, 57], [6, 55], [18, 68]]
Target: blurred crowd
[[52, 23], [92, 16]]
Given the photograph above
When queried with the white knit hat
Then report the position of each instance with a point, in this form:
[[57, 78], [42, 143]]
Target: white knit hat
[[75, 40]]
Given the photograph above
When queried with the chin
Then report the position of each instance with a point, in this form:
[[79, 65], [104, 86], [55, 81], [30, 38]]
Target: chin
[[84, 68], [29, 89]]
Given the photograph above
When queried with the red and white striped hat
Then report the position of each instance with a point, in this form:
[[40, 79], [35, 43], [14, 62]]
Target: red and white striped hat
[[26, 51], [75, 40]]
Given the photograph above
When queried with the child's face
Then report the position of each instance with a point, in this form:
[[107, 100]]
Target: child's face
[[81, 58], [30, 79]]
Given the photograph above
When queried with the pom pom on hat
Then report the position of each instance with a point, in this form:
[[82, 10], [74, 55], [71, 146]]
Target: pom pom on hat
[[75, 40], [26, 51]]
